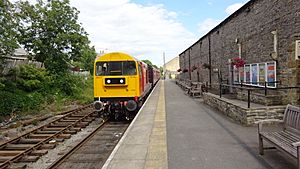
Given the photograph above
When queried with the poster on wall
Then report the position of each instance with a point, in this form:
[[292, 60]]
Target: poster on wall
[[241, 70], [254, 74], [271, 74], [247, 73], [262, 73], [235, 75]]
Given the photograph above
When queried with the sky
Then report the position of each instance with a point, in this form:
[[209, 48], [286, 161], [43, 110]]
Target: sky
[[148, 29]]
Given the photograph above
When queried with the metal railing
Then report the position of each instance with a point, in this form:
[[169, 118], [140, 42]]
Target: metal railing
[[247, 86]]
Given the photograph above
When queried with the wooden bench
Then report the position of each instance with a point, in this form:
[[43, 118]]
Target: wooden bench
[[186, 86], [196, 89], [182, 84], [287, 139]]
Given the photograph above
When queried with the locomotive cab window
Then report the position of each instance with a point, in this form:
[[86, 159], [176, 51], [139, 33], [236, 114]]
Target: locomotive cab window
[[115, 68]]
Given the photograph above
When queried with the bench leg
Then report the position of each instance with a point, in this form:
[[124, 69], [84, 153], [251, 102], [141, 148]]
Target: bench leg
[[260, 145]]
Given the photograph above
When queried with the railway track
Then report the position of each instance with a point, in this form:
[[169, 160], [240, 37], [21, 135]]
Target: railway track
[[31, 145], [93, 151]]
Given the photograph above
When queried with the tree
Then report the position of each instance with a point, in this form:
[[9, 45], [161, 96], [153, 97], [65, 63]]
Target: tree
[[8, 29], [51, 33], [161, 69], [8, 33], [148, 62], [86, 62], [88, 59]]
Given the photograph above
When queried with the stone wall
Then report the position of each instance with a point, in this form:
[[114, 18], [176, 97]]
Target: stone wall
[[242, 114], [251, 27]]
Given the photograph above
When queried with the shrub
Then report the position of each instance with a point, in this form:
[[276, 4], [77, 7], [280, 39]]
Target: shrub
[[28, 77], [28, 89], [19, 101], [86, 94], [68, 84]]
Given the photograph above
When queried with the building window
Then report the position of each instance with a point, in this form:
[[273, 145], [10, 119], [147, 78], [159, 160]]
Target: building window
[[256, 74]]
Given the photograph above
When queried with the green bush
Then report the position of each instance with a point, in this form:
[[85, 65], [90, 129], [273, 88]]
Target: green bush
[[19, 101], [2, 85], [29, 89], [67, 84], [86, 94], [8, 102], [28, 77]]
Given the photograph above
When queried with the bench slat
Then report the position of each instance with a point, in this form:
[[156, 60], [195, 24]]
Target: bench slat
[[292, 117], [291, 136], [285, 138], [279, 140]]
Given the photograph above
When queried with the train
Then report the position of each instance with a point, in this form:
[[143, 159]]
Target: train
[[121, 84]]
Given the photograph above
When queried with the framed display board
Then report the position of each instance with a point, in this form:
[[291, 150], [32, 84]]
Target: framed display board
[[256, 74]]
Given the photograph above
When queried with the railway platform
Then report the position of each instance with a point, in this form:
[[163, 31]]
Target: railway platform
[[175, 131]]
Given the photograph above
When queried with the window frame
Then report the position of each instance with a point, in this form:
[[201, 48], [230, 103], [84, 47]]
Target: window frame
[[123, 72]]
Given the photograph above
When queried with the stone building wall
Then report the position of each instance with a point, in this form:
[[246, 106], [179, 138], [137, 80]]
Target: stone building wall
[[171, 67], [252, 27], [242, 114]]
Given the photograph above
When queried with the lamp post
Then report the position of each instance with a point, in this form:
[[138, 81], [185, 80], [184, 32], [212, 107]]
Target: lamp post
[[164, 66]]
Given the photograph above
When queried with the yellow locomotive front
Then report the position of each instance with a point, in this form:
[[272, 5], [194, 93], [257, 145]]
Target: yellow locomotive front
[[116, 84]]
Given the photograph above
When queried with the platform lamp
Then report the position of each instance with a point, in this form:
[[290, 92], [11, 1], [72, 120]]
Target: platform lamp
[[164, 69]]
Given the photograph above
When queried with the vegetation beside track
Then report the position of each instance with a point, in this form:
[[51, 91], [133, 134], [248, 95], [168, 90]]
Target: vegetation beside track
[[29, 90], [51, 34]]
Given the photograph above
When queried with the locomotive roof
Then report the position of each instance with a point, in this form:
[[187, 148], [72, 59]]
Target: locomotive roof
[[117, 56]]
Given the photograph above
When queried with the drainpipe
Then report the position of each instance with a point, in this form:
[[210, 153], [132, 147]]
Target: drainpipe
[[190, 75], [209, 59]]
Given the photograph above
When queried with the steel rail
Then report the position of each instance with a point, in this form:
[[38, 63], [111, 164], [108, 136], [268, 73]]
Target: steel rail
[[59, 161], [37, 145], [31, 131]]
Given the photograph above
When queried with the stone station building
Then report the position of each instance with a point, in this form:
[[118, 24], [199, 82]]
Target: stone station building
[[265, 34], [171, 68]]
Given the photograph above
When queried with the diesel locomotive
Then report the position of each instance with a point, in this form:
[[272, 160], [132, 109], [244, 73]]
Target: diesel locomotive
[[121, 84]]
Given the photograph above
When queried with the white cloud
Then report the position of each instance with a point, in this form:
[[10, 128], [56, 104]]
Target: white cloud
[[207, 25], [234, 7], [210, 3], [142, 31]]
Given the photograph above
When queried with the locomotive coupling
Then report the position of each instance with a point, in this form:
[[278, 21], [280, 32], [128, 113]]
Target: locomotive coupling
[[98, 105]]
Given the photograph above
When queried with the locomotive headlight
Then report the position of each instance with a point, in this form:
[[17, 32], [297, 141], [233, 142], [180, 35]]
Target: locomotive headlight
[[108, 81], [121, 81]]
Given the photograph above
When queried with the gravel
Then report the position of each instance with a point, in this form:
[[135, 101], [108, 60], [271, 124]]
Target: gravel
[[61, 148]]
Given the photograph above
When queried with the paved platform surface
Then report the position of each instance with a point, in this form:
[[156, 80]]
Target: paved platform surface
[[144, 143], [177, 132]]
